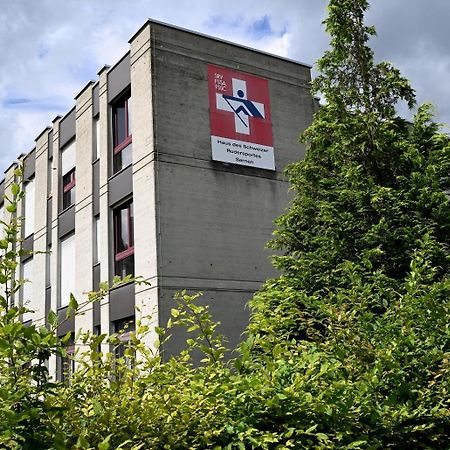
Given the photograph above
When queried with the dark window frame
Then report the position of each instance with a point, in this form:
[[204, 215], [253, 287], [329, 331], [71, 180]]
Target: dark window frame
[[124, 328], [121, 255], [24, 207], [68, 183], [118, 147], [65, 365]]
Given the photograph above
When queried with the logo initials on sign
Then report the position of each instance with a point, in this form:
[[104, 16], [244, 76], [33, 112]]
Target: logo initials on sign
[[220, 83]]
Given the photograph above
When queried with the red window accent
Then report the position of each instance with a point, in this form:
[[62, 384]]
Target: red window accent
[[122, 145], [124, 240], [69, 180], [121, 133], [69, 189], [122, 255]]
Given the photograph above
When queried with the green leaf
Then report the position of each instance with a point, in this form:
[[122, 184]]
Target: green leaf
[[357, 444], [322, 437], [311, 429], [73, 304], [104, 445], [52, 318], [66, 338], [15, 189]]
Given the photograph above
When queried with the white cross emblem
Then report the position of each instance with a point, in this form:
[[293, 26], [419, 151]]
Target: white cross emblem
[[240, 106]]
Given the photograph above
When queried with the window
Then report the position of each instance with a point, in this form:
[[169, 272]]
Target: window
[[124, 240], [48, 266], [97, 331], [96, 154], [65, 365], [96, 239], [124, 328], [69, 189], [68, 175], [28, 211], [50, 177], [27, 289], [121, 116], [67, 272]]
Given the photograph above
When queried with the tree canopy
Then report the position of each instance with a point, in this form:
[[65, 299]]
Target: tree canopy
[[365, 252]]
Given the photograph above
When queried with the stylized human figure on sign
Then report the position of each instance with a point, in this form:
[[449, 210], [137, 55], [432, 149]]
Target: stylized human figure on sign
[[241, 106], [247, 107]]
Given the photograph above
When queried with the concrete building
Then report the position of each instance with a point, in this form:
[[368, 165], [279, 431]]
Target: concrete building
[[169, 166]]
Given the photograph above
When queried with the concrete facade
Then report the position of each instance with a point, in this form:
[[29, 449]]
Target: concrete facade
[[199, 224]]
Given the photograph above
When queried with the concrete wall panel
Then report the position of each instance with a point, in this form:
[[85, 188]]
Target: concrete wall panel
[[67, 128], [119, 77], [215, 219], [215, 224], [227, 307]]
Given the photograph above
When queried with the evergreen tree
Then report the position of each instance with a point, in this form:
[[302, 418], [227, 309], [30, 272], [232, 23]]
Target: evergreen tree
[[372, 189], [364, 255]]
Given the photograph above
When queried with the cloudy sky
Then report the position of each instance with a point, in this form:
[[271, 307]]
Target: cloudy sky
[[51, 48]]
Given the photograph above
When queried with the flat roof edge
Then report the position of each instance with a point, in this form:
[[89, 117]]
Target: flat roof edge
[[225, 41]]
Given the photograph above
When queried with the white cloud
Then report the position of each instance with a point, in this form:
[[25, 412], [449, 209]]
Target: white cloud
[[279, 46]]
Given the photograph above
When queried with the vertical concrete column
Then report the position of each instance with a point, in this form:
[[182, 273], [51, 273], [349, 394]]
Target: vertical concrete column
[[84, 238], [144, 179], [104, 254], [40, 224], [54, 258]]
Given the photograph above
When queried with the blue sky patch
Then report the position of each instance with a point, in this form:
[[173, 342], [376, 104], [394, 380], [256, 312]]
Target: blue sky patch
[[43, 51], [256, 29], [15, 101], [260, 28], [32, 104]]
